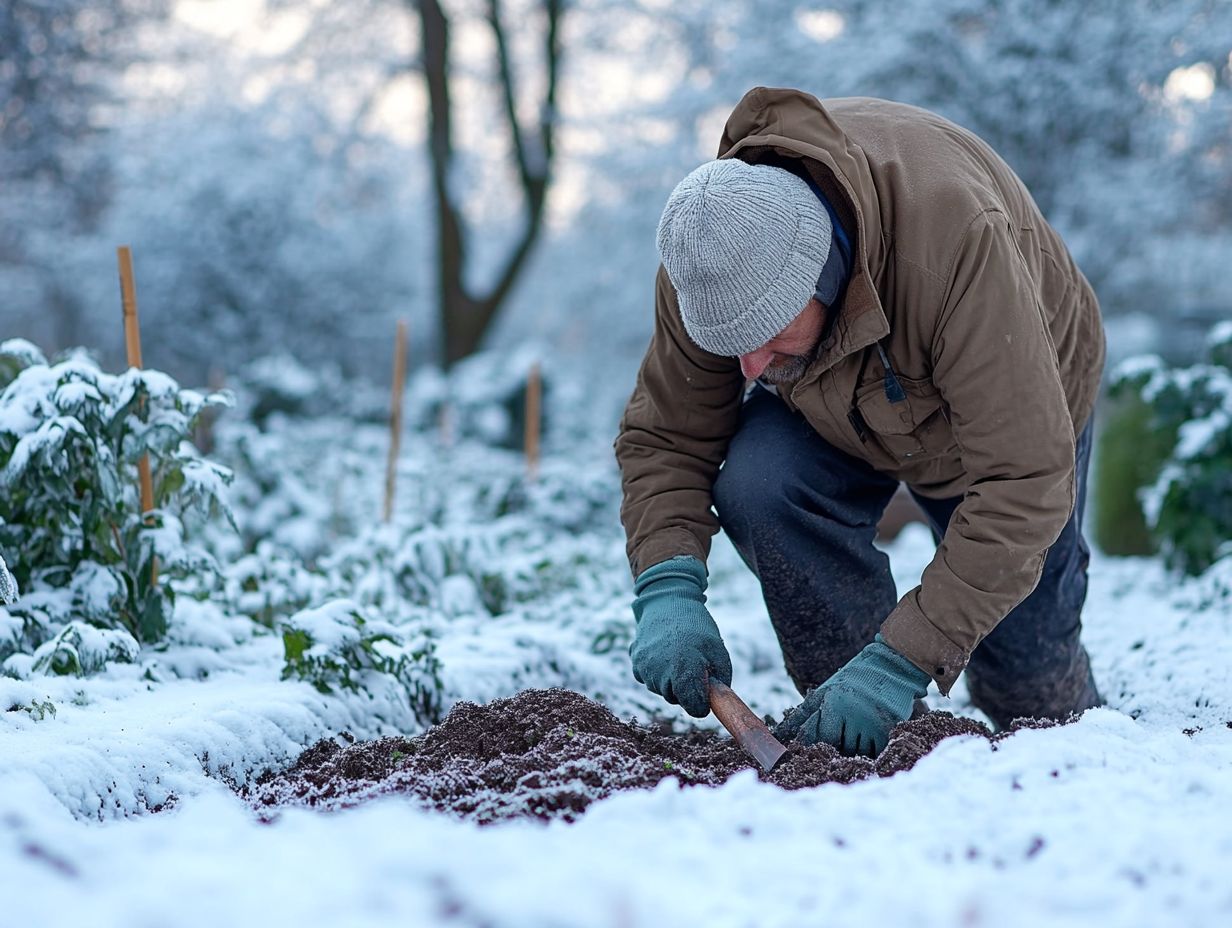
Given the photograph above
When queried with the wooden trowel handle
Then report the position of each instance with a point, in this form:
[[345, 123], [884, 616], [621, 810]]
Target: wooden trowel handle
[[747, 729]]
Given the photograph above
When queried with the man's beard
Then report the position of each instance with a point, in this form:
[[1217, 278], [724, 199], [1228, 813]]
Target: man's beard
[[787, 370]]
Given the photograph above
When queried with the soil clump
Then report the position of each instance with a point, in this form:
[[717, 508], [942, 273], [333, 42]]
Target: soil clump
[[548, 754]]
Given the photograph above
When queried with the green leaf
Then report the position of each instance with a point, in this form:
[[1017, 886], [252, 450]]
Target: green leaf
[[153, 624], [295, 642], [170, 482]]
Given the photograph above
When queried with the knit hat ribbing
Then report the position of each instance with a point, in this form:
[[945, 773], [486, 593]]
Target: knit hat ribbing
[[743, 245]]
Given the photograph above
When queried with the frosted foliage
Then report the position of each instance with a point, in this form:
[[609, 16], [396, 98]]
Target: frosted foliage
[[71, 521], [8, 585], [44, 444], [25, 353], [81, 649], [1189, 504], [331, 627]]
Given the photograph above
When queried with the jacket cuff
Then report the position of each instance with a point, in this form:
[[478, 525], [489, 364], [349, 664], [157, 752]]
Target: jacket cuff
[[909, 632], [661, 546]]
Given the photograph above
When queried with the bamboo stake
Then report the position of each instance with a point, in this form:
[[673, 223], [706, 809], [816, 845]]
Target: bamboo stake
[[132, 342], [534, 392], [395, 418]]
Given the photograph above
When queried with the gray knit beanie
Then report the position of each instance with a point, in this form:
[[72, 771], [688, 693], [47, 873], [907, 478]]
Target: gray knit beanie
[[743, 245]]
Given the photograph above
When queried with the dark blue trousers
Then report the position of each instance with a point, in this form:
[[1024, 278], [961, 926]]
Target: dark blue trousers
[[804, 515]]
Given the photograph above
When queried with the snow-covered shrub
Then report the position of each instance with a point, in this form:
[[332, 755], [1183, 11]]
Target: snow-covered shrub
[[473, 540], [272, 583], [336, 646], [483, 397], [1189, 506], [9, 590], [296, 497], [484, 568], [81, 649], [71, 522], [279, 384], [307, 493]]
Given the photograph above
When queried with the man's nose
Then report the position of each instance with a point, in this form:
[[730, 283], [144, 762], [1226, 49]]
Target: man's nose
[[753, 363]]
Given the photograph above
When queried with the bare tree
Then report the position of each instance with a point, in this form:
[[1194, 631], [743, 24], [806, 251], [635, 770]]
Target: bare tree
[[466, 315]]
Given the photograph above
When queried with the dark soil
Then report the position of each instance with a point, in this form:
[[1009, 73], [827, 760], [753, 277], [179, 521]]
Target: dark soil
[[549, 754]]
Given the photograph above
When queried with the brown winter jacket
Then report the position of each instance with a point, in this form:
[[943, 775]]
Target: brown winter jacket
[[993, 331]]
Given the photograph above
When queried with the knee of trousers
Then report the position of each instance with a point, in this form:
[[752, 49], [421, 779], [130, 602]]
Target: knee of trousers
[[747, 496]]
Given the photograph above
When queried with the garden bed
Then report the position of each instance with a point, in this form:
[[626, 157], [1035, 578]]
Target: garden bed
[[550, 753]]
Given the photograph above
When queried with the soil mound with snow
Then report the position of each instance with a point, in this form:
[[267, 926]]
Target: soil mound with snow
[[548, 754]]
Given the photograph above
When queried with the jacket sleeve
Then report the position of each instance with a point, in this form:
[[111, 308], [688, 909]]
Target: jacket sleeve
[[996, 367], [673, 436]]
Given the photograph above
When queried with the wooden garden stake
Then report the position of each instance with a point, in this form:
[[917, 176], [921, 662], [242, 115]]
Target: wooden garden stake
[[395, 418], [534, 393], [132, 342]]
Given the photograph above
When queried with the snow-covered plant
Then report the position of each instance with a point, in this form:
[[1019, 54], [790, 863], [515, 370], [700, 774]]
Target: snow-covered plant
[[272, 583], [8, 585], [280, 384], [71, 519], [478, 570], [483, 396], [1189, 506], [335, 646], [81, 649]]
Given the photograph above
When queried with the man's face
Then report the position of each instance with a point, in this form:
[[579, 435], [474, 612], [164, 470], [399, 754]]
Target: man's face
[[785, 357]]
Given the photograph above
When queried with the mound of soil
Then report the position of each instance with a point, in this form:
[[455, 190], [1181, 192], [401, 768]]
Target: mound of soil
[[548, 754]]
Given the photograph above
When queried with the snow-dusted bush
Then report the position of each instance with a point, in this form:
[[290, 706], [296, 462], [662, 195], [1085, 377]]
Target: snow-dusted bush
[[81, 649], [336, 646], [8, 585], [272, 583], [486, 568], [71, 523], [1189, 506], [280, 384]]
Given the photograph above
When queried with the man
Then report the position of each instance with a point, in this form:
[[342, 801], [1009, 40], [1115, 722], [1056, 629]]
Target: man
[[907, 315]]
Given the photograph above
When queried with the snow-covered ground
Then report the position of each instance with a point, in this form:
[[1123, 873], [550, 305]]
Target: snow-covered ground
[[1122, 818]]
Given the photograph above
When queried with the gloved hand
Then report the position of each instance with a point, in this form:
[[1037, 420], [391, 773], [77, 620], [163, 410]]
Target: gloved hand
[[856, 708], [677, 644]]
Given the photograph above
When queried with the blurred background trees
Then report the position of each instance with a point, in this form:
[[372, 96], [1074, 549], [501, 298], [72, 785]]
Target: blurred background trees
[[58, 59], [293, 175]]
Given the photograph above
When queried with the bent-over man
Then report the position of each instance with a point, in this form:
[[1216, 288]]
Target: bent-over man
[[904, 313]]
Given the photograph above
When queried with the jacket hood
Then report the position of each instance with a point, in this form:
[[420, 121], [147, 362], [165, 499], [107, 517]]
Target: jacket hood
[[777, 125]]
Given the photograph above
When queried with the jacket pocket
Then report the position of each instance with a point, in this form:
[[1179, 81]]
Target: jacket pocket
[[912, 429]]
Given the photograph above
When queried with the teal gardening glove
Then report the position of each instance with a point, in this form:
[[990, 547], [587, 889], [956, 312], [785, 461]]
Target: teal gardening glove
[[856, 708], [677, 644]]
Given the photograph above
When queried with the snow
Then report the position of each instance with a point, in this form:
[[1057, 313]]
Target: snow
[[1117, 819], [23, 350], [9, 592], [114, 798], [330, 627], [82, 649], [743, 854], [1221, 333], [45, 441], [74, 393], [1196, 434]]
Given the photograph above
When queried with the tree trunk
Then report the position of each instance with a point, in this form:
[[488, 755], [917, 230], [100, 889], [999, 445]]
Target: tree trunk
[[465, 317]]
